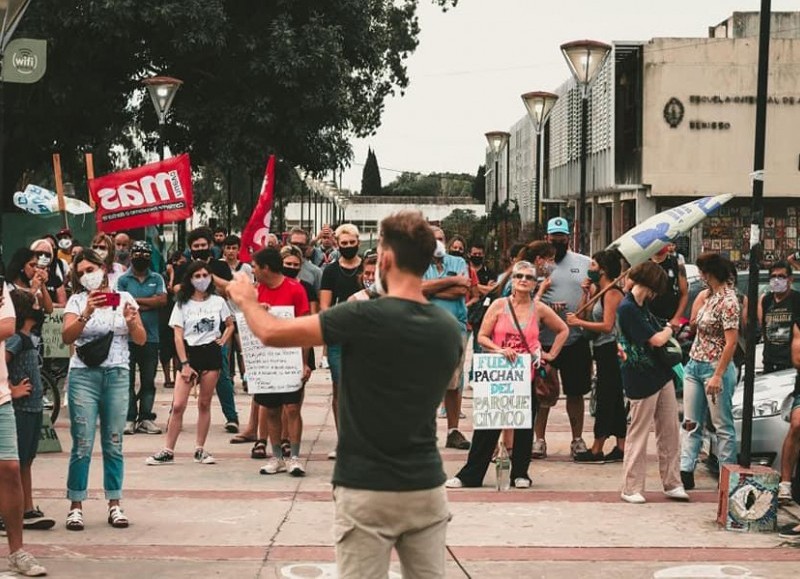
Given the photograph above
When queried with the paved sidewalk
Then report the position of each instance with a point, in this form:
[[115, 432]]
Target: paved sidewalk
[[227, 520]]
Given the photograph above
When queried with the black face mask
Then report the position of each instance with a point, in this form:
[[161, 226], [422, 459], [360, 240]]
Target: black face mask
[[290, 272], [122, 256], [140, 263], [349, 252], [201, 254], [561, 249], [476, 259], [456, 253]]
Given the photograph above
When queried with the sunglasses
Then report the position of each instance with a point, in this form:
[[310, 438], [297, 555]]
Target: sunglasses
[[525, 276], [102, 247], [43, 254]]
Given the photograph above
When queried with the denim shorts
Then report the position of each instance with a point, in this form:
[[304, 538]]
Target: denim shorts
[[8, 433]]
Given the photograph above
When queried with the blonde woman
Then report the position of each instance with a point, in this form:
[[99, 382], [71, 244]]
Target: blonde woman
[[104, 247]]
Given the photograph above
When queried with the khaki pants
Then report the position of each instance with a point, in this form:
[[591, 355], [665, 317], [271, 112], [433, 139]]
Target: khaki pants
[[369, 523], [662, 409]]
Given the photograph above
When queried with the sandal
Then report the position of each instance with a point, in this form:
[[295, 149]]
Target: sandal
[[116, 518], [259, 451], [242, 439], [75, 520]]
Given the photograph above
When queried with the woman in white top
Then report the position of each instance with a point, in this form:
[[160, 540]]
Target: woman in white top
[[98, 382], [196, 319]]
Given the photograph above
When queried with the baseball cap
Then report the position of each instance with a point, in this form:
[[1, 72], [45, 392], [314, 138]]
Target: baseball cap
[[558, 225], [141, 247]]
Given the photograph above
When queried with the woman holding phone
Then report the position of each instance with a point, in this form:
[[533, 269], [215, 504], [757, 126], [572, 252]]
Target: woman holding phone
[[196, 319], [99, 323]]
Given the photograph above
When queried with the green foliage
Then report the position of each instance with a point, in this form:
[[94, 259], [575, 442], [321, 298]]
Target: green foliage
[[371, 176], [433, 185]]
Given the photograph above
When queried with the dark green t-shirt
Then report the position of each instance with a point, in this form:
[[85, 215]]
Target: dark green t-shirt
[[397, 358]]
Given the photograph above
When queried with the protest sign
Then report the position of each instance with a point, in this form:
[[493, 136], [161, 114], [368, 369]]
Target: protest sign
[[54, 346], [501, 392], [270, 370]]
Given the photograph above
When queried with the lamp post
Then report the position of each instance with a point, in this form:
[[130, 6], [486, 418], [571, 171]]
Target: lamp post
[[162, 91], [585, 59], [497, 140], [539, 105]]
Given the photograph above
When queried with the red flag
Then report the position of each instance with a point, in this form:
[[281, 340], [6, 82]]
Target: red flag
[[155, 193], [255, 234]]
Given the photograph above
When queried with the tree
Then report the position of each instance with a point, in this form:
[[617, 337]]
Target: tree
[[433, 185], [479, 185], [371, 176]]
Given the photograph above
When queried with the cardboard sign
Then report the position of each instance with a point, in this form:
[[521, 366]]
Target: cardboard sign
[[150, 195], [270, 370], [501, 392], [54, 346]]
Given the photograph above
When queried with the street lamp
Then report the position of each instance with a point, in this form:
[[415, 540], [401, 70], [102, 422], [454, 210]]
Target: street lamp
[[585, 59], [497, 140], [162, 91], [539, 105]]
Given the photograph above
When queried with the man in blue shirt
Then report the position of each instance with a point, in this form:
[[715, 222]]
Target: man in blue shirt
[[148, 290], [446, 284]]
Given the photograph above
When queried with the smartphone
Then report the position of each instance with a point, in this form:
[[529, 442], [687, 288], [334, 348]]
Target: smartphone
[[112, 298]]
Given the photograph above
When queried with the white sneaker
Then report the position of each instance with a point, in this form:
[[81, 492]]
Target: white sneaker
[[148, 427], [274, 466], [332, 455], [634, 499], [522, 483], [130, 427], [24, 563], [578, 446], [324, 363], [295, 468], [678, 494], [454, 483], [785, 492]]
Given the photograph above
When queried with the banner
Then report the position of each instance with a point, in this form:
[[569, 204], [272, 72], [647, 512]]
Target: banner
[[254, 236], [501, 392], [150, 195], [270, 370]]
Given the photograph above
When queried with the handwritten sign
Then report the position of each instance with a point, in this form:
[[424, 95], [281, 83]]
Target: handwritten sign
[[270, 370], [54, 346], [501, 390]]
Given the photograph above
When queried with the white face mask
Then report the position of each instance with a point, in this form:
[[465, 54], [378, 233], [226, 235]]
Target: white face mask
[[201, 284], [102, 253], [778, 285], [65, 243], [440, 250], [92, 280]]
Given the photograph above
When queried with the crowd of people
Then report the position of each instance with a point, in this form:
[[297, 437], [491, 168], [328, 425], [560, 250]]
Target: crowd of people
[[124, 314]]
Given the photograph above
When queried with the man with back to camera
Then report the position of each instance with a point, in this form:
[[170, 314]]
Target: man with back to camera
[[388, 479]]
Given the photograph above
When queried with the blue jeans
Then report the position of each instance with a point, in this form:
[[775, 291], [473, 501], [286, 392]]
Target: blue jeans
[[696, 403], [92, 392], [146, 357], [225, 389]]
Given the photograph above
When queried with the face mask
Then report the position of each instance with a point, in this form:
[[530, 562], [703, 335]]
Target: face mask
[[457, 253], [476, 260], [290, 272], [92, 280], [778, 285], [65, 243], [102, 253], [349, 252], [594, 276], [122, 255], [440, 250], [367, 284], [561, 249], [201, 254], [140, 263], [201, 284], [379, 286]]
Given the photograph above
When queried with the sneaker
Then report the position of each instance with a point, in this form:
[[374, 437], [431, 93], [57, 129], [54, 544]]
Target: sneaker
[[35, 520], [295, 468], [456, 440], [687, 478], [442, 412], [24, 563], [232, 427], [790, 532], [454, 483], [148, 427], [616, 455], [589, 457], [274, 466], [634, 499], [539, 449], [576, 447], [522, 483], [202, 457], [332, 455], [323, 363], [161, 457], [130, 427], [785, 492], [678, 494]]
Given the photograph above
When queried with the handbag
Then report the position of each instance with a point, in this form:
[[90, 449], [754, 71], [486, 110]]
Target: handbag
[[95, 352], [671, 353], [544, 377]]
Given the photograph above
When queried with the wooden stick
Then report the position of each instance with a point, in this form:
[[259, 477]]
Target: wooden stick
[[62, 208], [90, 175], [602, 292]]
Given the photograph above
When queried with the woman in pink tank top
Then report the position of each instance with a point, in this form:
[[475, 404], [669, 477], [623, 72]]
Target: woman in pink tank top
[[499, 335]]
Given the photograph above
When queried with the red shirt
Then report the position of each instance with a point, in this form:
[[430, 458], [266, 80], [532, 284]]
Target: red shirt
[[289, 293]]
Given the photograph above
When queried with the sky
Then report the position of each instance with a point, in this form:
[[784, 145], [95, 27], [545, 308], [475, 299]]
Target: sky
[[474, 61]]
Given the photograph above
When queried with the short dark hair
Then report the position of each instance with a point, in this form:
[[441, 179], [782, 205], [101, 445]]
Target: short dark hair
[[187, 289], [269, 257], [411, 239], [513, 252], [200, 233], [536, 249], [715, 265], [649, 274], [609, 262], [299, 231], [232, 240], [477, 245], [23, 306], [220, 229], [781, 264]]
